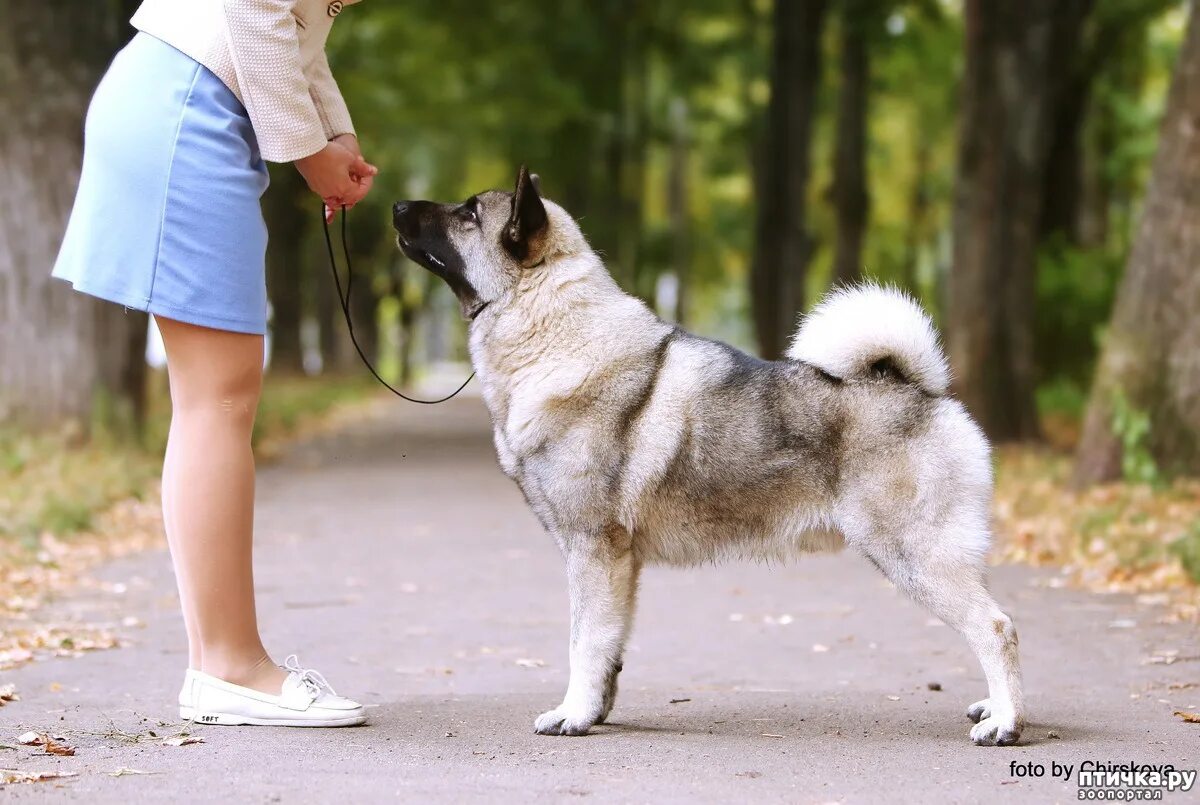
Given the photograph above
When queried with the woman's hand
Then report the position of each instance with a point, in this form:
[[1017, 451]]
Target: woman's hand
[[337, 174], [363, 173]]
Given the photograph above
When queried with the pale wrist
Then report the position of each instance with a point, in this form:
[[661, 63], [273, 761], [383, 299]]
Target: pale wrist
[[349, 142]]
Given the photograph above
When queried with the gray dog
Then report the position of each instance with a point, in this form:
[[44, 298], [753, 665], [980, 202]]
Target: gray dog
[[634, 441]]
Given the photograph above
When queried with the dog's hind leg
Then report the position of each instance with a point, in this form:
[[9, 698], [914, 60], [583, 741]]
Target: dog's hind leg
[[949, 580], [602, 577]]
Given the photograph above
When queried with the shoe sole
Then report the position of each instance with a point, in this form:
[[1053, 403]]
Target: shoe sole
[[229, 720]]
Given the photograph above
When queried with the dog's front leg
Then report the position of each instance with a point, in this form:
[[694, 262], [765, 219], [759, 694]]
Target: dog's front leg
[[602, 577]]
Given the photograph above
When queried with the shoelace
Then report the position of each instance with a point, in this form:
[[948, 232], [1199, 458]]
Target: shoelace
[[309, 677]]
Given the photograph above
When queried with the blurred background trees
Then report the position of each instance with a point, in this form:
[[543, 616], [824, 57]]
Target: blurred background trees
[[732, 159]]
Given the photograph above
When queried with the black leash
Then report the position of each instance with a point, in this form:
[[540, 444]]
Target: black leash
[[345, 303]]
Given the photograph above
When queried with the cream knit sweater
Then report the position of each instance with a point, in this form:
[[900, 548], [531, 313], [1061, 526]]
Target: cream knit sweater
[[271, 54]]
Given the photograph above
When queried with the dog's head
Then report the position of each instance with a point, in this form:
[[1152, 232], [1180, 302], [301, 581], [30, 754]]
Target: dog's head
[[483, 246]]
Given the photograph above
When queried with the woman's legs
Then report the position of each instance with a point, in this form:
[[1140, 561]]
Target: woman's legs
[[208, 498]]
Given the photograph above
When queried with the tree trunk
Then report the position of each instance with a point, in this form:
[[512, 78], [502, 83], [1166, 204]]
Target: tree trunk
[[1014, 53], [1151, 355], [782, 244], [918, 215], [328, 311], [631, 136], [1063, 183], [57, 347], [677, 206], [368, 235], [850, 199], [290, 208]]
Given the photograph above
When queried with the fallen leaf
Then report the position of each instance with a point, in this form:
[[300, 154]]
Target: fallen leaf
[[1053, 736], [8, 693], [893, 698], [1191, 718], [8, 776], [934, 685], [771, 735], [679, 701], [53, 747], [125, 772], [526, 662], [182, 740]]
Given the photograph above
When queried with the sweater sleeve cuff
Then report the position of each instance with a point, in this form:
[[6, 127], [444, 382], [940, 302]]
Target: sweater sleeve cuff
[[292, 145], [335, 117]]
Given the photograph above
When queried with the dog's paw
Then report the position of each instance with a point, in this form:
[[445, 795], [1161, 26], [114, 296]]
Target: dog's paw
[[997, 730], [561, 721], [980, 710], [610, 695]]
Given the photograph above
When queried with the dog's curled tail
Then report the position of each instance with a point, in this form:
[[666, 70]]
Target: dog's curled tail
[[871, 328]]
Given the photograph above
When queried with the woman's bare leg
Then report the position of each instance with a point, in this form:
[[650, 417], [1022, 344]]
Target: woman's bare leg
[[170, 523], [208, 497]]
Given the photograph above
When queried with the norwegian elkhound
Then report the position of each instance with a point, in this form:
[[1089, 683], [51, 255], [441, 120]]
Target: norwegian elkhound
[[634, 441]]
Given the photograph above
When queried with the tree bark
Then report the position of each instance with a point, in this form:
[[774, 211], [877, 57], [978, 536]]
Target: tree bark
[[328, 313], [1016, 55], [57, 347], [289, 208], [782, 243], [918, 215], [1061, 205], [677, 206], [1151, 355], [368, 234], [850, 199], [632, 137]]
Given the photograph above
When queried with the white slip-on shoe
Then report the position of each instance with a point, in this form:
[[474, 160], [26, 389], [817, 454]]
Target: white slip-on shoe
[[185, 692], [306, 700]]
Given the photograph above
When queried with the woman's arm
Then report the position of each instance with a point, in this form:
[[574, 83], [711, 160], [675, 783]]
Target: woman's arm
[[327, 99], [339, 128], [265, 48]]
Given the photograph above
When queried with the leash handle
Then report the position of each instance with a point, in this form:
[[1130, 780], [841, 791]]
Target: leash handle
[[344, 301]]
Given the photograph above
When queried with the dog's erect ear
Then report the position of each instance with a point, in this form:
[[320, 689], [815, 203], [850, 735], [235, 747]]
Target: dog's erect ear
[[523, 235]]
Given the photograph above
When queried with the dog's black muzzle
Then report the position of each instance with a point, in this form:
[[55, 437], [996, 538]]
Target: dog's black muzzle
[[406, 218]]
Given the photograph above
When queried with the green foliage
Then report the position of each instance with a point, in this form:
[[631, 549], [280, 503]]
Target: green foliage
[[449, 96], [1062, 397], [1075, 290], [1131, 426], [1187, 549], [287, 404], [61, 517]]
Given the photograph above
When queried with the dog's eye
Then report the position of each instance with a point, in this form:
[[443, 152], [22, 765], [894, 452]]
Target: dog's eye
[[469, 214]]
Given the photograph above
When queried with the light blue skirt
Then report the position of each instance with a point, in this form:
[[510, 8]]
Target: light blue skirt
[[167, 216]]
